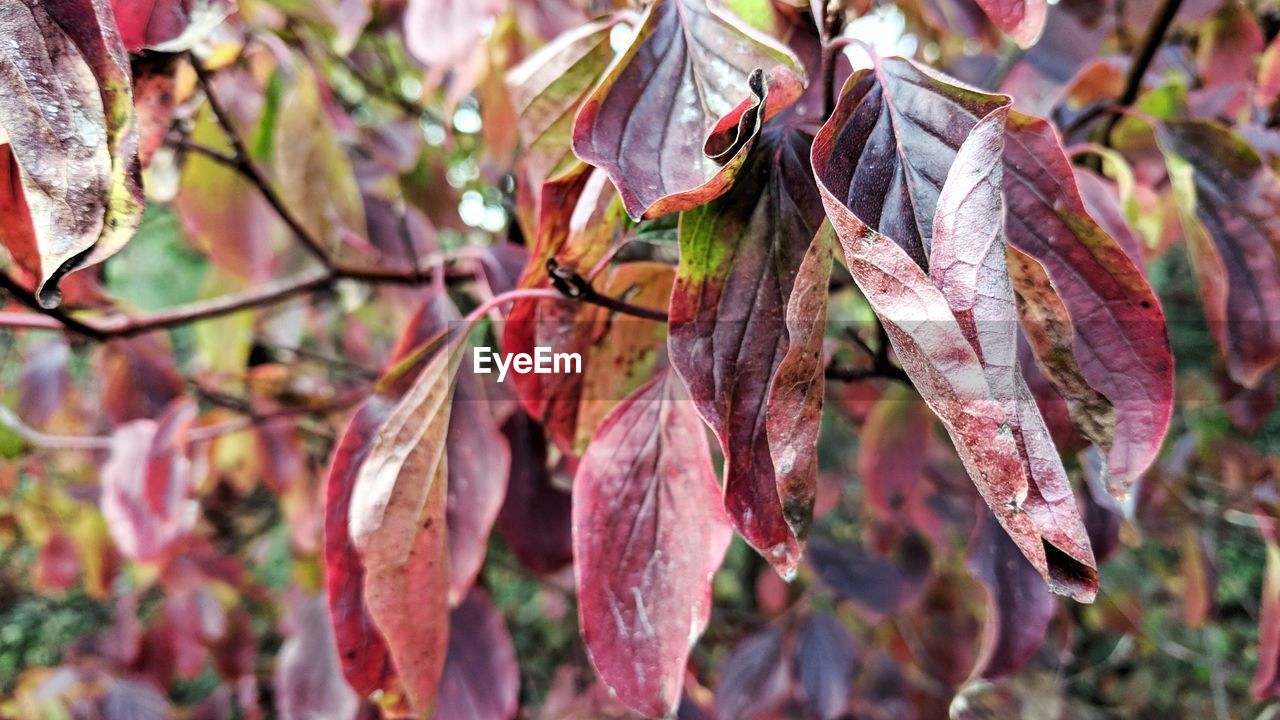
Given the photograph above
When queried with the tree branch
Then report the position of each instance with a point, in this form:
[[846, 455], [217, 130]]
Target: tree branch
[[1142, 58], [244, 162]]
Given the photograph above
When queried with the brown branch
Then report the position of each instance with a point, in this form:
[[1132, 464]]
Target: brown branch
[[244, 162], [1142, 58], [575, 287]]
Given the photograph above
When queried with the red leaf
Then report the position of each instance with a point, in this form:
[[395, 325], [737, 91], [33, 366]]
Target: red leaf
[[857, 158], [1117, 330], [481, 679], [1227, 199], [648, 534], [747, 316], [536, 515], [1019, 607], [366, 662], [1023, 20], [147, 484], [167, 25], [685, 74], [66, 104], [968, 265], [308, 682], [397, 524], [479, 461]]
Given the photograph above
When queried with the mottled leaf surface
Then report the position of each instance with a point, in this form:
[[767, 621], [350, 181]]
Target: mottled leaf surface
[[734, 341], [648, 534], [1117, 331], [868, 191], [66, 104], [968, 264], [672, 119]]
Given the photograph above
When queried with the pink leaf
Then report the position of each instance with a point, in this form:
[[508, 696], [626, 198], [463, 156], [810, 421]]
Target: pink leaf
[[648, 533], [147, 484]]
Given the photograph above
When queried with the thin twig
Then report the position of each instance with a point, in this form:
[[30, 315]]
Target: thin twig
[[1142, 58], [251, 171], [575, 287], [61, 442]]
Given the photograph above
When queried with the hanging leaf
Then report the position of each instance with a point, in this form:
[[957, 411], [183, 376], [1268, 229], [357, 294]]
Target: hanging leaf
[[1019, 607], [1116, 331], [648, 534], [1226, 199], [66, 104], [673, 118], [968, 265], [869, 191], [734, 341], [397, 524]]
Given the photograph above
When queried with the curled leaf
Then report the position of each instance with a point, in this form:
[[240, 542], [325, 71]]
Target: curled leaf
[[752, 361], [669, 122], [66, 104]]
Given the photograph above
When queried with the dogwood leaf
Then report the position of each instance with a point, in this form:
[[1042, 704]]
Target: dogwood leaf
[[672, 119], [648, 534], [66, 104], [740, 263]]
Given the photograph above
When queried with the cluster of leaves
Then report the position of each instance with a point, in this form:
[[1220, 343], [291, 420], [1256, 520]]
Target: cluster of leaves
[[256, 446]]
